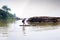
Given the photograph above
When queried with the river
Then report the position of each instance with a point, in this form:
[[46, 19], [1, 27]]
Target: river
[[13, 31]]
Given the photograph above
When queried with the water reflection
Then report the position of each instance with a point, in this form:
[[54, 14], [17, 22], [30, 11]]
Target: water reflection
[[14, 31], [4, 27], [40, 27], [3, 31], [4, 23], [43, 24], [23, 29]]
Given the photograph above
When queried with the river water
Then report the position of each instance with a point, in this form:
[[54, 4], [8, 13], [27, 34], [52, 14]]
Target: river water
[[13, 31]]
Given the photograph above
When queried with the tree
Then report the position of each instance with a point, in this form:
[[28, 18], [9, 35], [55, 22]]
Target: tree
[[5, 8], [3, 14]]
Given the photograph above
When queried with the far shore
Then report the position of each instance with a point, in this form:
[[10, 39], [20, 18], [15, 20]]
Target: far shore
[[43, 19]]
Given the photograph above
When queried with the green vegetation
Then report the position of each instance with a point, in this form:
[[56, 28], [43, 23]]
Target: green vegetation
[[6, 15], [43, 20]]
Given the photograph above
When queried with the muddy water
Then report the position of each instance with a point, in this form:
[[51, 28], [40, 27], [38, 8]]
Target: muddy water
[[12, 31]]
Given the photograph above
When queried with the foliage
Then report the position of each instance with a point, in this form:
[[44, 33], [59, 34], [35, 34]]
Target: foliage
[[5, 14], [44, 19], [5, 8]]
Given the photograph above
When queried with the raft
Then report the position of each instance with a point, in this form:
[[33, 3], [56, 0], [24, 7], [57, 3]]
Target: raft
[[27, 25]]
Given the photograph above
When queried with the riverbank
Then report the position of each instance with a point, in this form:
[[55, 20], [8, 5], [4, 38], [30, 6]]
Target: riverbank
[[43, 19]]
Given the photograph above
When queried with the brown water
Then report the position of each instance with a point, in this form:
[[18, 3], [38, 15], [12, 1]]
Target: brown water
[[12, 31]]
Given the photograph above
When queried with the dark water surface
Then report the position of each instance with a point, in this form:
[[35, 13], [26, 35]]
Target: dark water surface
[[12, 31]]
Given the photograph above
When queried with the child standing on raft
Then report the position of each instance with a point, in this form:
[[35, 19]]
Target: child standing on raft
[[23, 21]]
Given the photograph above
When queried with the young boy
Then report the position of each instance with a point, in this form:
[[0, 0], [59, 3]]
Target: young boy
[[23, 21]]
